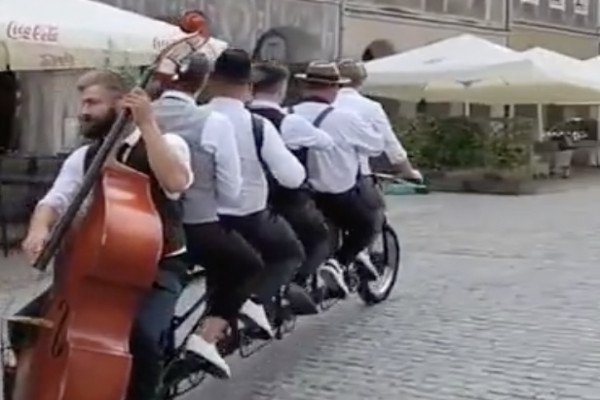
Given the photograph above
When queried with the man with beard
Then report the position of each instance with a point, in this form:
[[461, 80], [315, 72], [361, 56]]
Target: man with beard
[[166, 159]]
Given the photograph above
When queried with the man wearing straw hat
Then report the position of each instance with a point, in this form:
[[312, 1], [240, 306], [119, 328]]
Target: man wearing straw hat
[[333, 173], [295, 205]]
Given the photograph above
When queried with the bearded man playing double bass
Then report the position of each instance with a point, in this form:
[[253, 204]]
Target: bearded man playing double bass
[[165, 158]]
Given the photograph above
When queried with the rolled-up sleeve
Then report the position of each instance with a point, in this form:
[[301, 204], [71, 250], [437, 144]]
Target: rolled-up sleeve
[[392, 146], [298, 132], [284, 166], [182, 151], [67, 182]]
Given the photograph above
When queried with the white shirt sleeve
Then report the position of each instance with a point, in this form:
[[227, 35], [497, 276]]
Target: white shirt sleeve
[[182, 151], [360, 133], [67, 182], [219, 139], [298, 132], [284, 166], [392, 146]]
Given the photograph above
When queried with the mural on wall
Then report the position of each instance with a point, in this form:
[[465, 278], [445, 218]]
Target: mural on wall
[[288, 24]]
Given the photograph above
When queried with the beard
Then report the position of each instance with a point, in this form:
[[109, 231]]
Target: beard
[[96, 128]]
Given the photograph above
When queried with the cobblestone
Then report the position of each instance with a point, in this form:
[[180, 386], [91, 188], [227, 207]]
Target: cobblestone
[[498, 300]]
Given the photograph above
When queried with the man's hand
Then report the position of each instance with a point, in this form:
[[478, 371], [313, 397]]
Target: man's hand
[[415, 175], [34, 243], [139, 103]]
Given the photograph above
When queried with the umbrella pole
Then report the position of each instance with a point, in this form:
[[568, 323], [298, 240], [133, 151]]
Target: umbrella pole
[[540, 121]]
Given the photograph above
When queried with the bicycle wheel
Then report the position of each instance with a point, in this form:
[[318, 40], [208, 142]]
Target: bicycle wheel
[[385, 254]]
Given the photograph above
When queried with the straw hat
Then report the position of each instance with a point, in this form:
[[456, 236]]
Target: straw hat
[[352, 69], [322, 72]]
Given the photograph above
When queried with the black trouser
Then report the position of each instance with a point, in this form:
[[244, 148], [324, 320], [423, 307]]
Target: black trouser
[[373, 198], [230, 263], [355, 213], [150, 329], [277, 244], [301, 212]]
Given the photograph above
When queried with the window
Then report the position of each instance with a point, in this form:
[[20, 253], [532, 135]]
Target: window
[[558, 4], [485, 10], [580, 15], [581, 7]]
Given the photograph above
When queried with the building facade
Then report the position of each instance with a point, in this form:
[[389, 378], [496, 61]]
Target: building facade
[[376, 28], [294, 31], [372, 28], [297, 31]]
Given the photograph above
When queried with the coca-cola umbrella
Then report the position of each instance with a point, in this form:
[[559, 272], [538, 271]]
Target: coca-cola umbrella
[[66, 34]]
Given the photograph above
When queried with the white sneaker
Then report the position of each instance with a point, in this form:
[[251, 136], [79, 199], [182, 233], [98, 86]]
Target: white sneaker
[[367, 265], [333, 275], [257, 314], [200, 347]]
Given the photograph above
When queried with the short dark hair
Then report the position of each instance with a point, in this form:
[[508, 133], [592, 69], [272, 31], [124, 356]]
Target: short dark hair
[[267, 75], [233, 66], [194, 68]]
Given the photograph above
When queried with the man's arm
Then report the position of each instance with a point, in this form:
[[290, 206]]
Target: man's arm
[[393, 148], [298, 132], [219, 139], [169, 169], [179, 147], [54, 203], [284, 166]]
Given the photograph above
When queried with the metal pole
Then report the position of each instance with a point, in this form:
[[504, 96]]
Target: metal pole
[[341, 14]]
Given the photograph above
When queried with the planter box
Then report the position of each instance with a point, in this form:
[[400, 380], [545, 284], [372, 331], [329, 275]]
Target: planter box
[[481, 181]]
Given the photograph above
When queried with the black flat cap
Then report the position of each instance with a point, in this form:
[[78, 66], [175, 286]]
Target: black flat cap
[[233, 65]]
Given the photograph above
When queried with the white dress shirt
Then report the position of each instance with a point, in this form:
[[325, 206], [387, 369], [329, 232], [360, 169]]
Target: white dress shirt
[[282, 164], [296, 131], [71, 174], [374, 114], [218, 139], [335, 170]]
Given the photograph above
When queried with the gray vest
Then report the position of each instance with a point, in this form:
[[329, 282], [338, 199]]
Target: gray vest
[[175, 115]]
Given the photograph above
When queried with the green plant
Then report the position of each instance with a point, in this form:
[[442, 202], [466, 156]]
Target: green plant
[[463, 143]]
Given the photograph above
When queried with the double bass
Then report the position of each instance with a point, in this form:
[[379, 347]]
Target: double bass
[[104, 264]]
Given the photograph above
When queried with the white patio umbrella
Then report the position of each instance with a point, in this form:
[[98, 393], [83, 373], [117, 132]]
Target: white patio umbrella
[[470, 69], [66, 34]]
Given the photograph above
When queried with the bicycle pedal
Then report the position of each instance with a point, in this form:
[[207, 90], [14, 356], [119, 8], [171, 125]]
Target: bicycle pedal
[[183, 368], [327, 304], [289, 325], [250, 345]]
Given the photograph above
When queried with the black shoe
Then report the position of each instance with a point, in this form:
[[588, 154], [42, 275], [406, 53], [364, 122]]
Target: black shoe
[[301, 301]]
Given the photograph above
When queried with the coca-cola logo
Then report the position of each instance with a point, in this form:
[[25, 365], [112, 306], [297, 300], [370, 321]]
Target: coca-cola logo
[[35, 33], [57, 61]]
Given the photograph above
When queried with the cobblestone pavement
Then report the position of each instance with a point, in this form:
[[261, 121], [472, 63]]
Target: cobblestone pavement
[[497, 300]]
